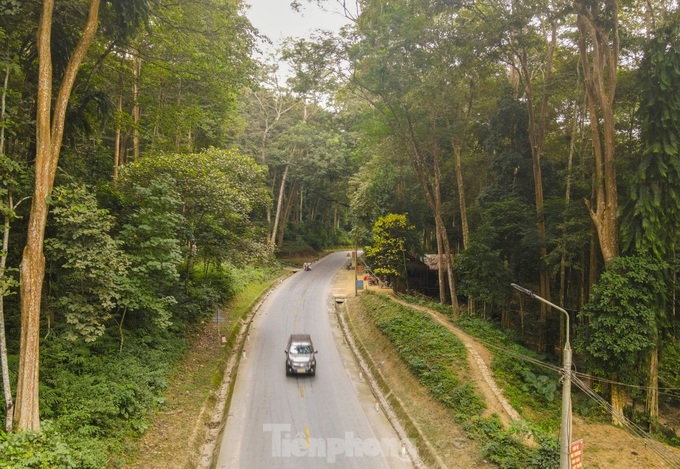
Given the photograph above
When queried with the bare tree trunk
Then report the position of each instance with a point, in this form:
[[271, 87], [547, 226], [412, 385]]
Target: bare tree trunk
[[652, 402], [567, 201], [314, 210], [440, 264], [439, 221], [7, 390], [600, 62], [461, 195], [286, 213], [49, 135], [429, 183], [3, 107], [279, 204], [433, 196], [4, 367], [157, 118], [117, 157], [618, 401], [136, 113], [536, 132], [456, 144], [301, 204], [178, 136]]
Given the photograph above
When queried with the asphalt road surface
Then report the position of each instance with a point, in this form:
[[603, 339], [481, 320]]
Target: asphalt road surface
[[329, 420]]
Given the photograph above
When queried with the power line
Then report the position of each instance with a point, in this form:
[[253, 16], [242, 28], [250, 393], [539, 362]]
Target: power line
[[657, 447], [558, 369]]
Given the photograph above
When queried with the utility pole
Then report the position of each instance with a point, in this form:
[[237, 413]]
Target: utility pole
[[565, 427]]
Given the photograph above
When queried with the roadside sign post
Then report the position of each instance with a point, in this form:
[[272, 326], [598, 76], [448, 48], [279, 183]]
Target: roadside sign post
[[576, 456], [356, 263]]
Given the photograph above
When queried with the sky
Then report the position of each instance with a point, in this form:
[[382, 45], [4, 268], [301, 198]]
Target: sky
[[277, 20]]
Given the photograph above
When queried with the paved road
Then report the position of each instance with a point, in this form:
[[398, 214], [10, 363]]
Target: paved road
[[304, 422]]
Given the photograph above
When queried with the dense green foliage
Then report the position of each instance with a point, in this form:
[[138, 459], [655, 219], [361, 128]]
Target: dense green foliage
[[653, 213], [621, 318], [153, 211], [95, 396]]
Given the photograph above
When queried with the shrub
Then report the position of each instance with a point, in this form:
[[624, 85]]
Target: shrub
[[48, 449]]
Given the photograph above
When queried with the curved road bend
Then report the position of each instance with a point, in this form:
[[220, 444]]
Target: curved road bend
[[304, 422]]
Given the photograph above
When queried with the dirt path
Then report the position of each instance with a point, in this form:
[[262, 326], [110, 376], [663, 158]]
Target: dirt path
[[478, 357]]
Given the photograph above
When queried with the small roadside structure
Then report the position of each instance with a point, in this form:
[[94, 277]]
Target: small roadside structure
[[422, 274]]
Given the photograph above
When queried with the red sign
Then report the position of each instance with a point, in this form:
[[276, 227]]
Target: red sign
[[576, 454]]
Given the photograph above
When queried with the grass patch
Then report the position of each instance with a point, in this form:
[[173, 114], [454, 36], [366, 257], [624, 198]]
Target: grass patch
[[438, 359], [435, 356], [533, 390]]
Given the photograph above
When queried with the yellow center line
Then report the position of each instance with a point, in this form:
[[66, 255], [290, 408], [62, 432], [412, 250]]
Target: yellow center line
[[307, 436], [302, 391]]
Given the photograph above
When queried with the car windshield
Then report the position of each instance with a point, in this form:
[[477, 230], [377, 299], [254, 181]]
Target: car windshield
[[301, 348]]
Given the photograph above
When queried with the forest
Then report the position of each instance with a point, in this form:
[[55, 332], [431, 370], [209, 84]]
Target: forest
[[152, 163]]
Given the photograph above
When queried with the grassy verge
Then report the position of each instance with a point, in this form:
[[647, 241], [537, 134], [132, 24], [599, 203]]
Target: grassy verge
[[533, 390], [436, 359]]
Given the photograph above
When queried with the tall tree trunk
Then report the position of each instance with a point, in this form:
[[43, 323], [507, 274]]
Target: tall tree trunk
[[600, 62], [4, 367], [457, 144], [429, 183], [619, 398], [301, 204], [431, 189], [286, 213], [279, 204], [3, 105], [599, 49], [136, 113], [178, 103], [652, 401], [536, 132], [464, 227], [49, 135], [117, 157], [439, 221], [440, 263], [567, 201]]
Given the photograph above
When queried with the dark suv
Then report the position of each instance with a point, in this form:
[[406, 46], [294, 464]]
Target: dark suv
[[300, 357]]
